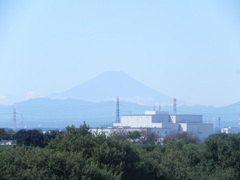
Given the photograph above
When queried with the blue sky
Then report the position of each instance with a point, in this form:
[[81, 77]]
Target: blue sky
[[184, 49]]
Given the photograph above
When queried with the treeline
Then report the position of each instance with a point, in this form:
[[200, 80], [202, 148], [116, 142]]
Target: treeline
[[28, 137], [6, 134], [79, 154]]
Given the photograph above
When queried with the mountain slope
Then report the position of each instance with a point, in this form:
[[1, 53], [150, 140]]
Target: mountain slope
[[52, 113], [111, 84]]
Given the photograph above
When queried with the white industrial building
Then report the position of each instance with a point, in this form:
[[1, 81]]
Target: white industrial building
[[162, 123], [230, 130]]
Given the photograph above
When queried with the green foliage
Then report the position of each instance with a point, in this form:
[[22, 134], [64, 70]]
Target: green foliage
[[134, 136], [152, 157], [6, 134], [115, 156], [29, 138], [182, 158], [39, 163], [79, 154], [120, 135], [151, 138], [34, 137], [5, 147], [186, 138], [223, 154]]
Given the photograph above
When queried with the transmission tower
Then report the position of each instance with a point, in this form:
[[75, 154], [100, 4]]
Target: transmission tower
[[15, 119], [22, 121], [117, 111], [239, 121], [174, 106], [219, 120]]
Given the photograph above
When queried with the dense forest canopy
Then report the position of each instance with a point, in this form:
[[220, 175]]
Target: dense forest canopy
[[80, 154]]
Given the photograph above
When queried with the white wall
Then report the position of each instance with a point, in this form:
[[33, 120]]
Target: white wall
[[163, 122], [183, 127], [160, 118], [156, 112], [161, 132], [136, 121], [143, 121], [186, 118], [173, 126], [201, 130], [173, 119]]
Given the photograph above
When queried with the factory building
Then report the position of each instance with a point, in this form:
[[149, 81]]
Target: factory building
[[162, 124], [230, 130]]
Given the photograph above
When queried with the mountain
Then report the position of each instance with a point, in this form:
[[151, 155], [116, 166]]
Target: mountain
[[93, 103], [53, 113], [109, 85]]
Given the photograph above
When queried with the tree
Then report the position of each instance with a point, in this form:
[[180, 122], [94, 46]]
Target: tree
[[186, 138], [6, 134], [42, 163], [29, 138], [134, 136], [151, 138], [222, 152], [110, 154]]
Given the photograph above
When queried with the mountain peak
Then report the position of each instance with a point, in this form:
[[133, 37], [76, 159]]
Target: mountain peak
[[114, 73], [110, 84]]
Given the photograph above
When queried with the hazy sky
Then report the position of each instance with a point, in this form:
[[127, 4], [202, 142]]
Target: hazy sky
[[184, 49]]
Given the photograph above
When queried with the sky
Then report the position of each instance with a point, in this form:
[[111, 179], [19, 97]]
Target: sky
[[184, 49]]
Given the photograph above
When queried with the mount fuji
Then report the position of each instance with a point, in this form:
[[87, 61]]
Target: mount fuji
[[108, 85], [93, 103]]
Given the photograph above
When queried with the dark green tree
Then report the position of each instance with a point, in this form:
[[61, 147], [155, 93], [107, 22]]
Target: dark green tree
[[115, 156], [29, 138], [151, 138], [185, 137], [6, 134], [134, 136]]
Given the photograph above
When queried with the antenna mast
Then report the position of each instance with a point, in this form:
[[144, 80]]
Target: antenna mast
[[117, 111]]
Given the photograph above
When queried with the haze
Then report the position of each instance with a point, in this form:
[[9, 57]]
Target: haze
[[183, 49]]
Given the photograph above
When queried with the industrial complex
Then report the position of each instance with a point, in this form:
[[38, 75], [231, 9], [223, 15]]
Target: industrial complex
[[162, 124]]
